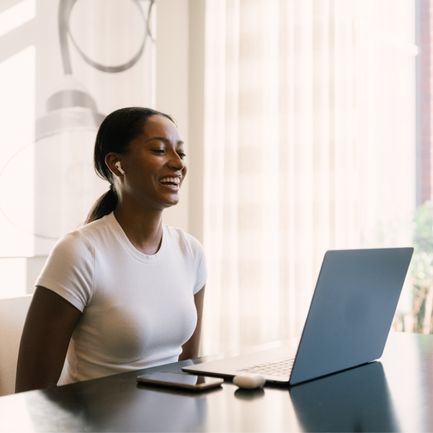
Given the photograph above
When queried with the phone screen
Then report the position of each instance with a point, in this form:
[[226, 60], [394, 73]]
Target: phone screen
[[179, 380]]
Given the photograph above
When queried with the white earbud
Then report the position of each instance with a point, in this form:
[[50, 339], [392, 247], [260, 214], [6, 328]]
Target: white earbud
[[249, 381], [119, 167]]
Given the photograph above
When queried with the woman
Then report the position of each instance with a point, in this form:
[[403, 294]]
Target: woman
[[124, 291]]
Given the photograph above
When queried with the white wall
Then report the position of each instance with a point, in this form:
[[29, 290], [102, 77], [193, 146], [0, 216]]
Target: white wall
[[169, 78], [179, 91], [172, 83]]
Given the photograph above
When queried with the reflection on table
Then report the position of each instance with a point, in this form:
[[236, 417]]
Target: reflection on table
[[353, 400]]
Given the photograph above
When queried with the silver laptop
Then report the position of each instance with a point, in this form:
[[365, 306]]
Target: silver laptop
[[347, 325]]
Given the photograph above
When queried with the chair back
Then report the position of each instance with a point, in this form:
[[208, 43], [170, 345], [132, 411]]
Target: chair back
[[13, 313]]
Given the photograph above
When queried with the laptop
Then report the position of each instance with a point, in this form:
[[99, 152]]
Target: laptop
[[347, 325]]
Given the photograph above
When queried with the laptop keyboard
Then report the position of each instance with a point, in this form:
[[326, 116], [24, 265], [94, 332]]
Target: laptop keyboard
[[278, 368]]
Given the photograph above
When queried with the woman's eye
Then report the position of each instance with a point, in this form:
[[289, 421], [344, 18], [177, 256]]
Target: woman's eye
[[182, 155], [158, 151]]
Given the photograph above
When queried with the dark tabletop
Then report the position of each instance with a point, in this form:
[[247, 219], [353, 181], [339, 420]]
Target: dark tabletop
[[395, 394]]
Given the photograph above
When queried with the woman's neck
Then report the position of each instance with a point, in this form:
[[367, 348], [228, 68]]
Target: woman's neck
[[143, 228]]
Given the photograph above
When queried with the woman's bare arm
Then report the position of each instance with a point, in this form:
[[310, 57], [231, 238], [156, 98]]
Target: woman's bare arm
[[190, 348], [47, 331]]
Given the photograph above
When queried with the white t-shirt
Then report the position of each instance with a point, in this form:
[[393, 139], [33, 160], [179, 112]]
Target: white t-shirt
[[137, 309]]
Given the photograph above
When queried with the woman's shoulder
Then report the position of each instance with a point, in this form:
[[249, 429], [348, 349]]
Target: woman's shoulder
[[183, 238], [83, 237], [191, 250]]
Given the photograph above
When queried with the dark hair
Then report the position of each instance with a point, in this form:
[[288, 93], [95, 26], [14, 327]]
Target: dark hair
[[115, 134]]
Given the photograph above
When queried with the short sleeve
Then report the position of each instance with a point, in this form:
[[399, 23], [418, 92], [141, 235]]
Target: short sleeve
[[201, 270], [69, 271]]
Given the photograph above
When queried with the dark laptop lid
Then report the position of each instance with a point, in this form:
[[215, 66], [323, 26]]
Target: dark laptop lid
[[351, 311]]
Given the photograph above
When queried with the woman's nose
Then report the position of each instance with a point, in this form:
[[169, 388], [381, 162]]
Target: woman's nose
[[176, 161]]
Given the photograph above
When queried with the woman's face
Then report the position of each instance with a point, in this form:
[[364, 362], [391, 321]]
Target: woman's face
[[154, 165]]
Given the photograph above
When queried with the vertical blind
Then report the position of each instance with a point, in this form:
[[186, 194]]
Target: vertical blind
[[309, 146]]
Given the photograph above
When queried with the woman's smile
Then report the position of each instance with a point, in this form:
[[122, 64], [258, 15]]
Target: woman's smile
[[171, 182]]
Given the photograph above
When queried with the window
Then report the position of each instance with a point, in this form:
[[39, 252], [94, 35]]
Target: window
[[310, 134]]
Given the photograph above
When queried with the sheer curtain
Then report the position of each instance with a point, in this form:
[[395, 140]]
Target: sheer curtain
[[309, 145]]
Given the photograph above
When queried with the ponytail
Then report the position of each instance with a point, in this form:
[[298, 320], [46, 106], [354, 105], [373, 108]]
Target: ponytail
[[103, 206]]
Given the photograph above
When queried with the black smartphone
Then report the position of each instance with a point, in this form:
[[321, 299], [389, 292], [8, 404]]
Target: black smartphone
[[179, 380]]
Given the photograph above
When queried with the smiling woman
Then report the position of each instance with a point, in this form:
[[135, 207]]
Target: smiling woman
[[126, 289]]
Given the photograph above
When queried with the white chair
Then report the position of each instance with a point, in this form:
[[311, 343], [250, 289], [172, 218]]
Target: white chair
[[13, 312]]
